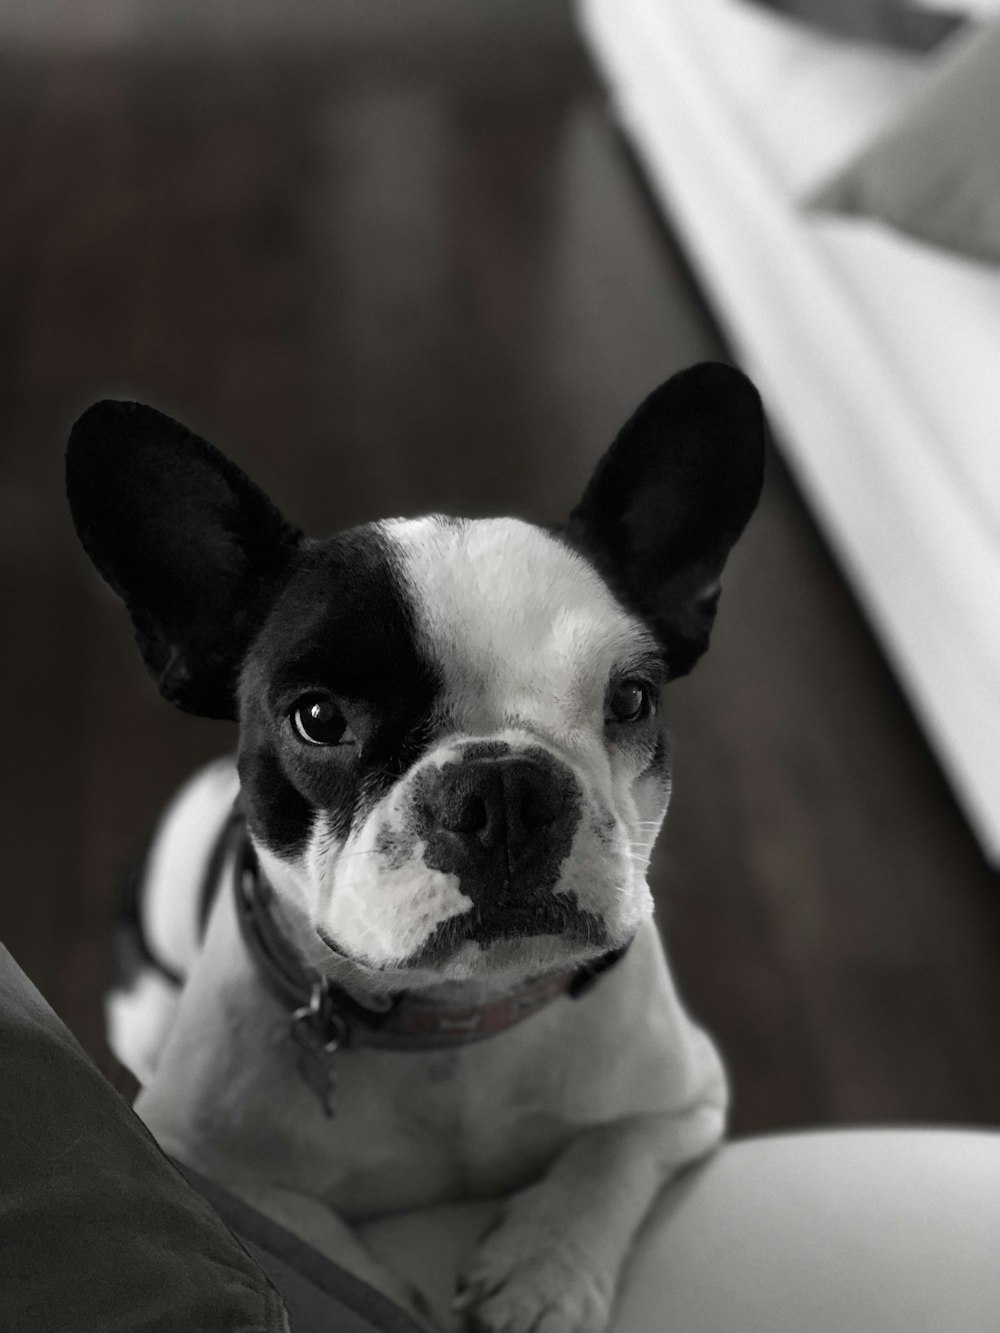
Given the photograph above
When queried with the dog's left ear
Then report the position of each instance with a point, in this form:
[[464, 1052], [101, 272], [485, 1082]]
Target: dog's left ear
[[669, 499], [194, 549]]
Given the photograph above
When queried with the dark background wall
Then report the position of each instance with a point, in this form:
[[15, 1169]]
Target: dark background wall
[[396, 266]]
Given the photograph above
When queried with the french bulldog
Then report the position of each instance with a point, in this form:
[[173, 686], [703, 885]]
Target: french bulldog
[[437, 975]]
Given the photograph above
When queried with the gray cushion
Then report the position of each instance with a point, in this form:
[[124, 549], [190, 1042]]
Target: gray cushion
[[98, 1232], [935, 172]]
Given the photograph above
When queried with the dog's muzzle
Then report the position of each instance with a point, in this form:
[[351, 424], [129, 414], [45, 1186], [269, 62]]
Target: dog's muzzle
[[503, 821]]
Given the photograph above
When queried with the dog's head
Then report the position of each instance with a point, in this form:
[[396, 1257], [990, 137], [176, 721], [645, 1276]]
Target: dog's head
[[450, 748]]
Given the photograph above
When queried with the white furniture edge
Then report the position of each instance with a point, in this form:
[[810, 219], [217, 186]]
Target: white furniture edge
[[844, 1231], [949, 668]]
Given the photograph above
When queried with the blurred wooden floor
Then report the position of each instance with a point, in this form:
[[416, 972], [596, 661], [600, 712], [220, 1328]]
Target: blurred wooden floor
[[406, 279]]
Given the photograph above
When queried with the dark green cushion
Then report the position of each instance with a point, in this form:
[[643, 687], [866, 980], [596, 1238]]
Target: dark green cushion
[[98, 1231]]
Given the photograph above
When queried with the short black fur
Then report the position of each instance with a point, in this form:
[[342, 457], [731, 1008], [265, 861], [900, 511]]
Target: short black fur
[[669, 499], [341, 625], [184, 537]]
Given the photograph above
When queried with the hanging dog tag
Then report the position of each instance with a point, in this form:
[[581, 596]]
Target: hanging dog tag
[[318, 1034]]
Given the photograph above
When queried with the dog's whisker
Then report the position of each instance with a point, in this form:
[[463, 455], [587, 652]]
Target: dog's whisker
[[358, 851]]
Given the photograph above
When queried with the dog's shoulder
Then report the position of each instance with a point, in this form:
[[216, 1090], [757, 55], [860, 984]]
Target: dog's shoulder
[[626, 1047]]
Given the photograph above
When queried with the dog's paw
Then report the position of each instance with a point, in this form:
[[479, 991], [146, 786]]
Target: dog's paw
[[524, 1278]]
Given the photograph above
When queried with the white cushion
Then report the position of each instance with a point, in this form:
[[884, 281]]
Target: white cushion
[[874, 353], [852, 1231]]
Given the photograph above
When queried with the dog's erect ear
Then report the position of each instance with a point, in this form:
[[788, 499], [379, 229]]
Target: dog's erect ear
[[184, 537], [669, 499]]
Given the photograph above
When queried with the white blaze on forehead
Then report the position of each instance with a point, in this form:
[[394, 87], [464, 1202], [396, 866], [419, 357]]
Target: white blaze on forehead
[[518, 625]]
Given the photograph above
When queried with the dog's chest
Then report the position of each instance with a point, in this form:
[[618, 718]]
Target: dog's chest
[[413, 1128], [410, 1128]]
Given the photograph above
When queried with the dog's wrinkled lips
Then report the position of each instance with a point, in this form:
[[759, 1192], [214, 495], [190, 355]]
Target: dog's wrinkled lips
[[558, 917]]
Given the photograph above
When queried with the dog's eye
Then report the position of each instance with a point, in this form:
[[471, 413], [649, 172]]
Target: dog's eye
[[629, 701], [318, 721]]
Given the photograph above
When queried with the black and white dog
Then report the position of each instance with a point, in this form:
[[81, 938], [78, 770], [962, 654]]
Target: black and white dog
[[431, 971]]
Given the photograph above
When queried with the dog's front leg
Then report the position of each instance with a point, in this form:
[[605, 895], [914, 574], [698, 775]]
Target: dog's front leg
[[551, 1263]]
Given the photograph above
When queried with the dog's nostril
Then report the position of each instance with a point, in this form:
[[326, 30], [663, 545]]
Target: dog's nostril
[[468, 815], [493, 800]]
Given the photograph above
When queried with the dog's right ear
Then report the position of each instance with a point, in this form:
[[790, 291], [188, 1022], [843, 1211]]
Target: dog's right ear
[[669, 499], [192, 546]]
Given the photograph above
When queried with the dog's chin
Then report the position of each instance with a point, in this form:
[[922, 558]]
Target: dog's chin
[[495, 962]]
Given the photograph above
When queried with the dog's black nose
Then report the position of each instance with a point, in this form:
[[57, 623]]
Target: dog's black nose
[[497, 801]]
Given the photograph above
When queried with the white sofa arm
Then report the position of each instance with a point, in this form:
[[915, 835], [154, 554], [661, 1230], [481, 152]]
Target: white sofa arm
[[851, 1231]]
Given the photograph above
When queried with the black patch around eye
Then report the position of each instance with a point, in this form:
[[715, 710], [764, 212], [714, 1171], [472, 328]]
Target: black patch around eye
[[277, 811], [344, 629]]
